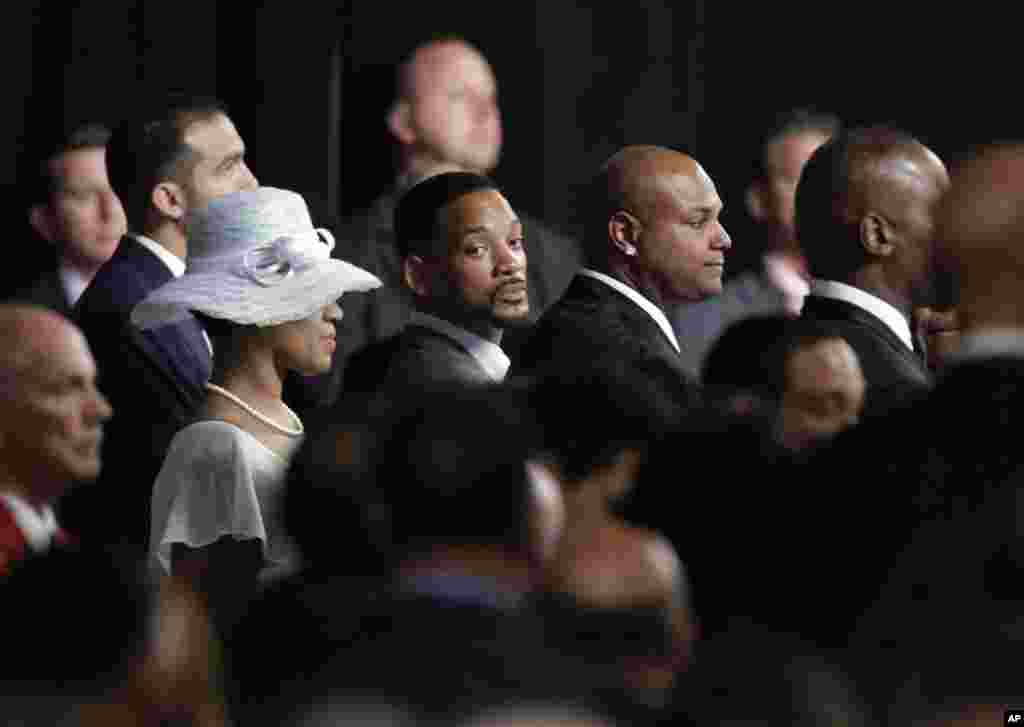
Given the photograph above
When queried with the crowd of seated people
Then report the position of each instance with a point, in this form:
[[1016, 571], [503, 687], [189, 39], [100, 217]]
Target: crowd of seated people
[[443, 466]]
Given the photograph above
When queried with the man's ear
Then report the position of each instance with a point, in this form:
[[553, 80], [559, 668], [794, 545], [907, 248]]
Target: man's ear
[[400, 122], [876, 235], [169, 198], [42, 222], [624, 231], [755, 201], [416, 275]]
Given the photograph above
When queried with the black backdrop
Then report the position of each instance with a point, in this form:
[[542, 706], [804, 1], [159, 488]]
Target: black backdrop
[[307, 82]]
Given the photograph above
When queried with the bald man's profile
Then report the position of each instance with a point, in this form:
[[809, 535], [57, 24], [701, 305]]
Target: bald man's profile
[[51, 424], [865, 209], [654, 240]]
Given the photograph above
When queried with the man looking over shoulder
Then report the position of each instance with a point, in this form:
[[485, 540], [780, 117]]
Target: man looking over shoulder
[[464, 261]]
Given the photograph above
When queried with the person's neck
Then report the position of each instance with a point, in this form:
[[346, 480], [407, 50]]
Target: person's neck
[[12, 485], [85, 268], [625, 274], [483, 327], [168, 234], [513, 573], [872, 280], [250, 374]]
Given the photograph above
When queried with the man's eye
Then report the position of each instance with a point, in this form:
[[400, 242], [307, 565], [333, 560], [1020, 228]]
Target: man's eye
[[516, 244], [698, 224]]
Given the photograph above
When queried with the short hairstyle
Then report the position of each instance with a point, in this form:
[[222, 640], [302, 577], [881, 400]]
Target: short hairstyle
[[592, 414], [751, 356], [793, 122], [822, 193], [36, 178], [151, 148], [418, 223], [450, 467]]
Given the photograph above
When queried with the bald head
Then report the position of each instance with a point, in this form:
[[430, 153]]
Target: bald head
[[865, 207], [446, 115], [31, 334], [51, 427], [655, 224]]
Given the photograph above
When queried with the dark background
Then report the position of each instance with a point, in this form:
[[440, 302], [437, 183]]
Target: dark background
[[308, 83]]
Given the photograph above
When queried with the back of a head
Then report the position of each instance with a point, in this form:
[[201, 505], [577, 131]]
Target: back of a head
[[751, 355], [150, 147], [418, 222], [592, 414], [450, 467], [77, 623], [837, 178]]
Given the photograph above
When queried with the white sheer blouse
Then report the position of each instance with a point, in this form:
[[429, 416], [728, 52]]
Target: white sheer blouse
[[218, 480]]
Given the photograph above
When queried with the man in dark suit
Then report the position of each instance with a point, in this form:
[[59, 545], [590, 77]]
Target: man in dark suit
[[177, 159], [444, 117], [464, 262], [654, 240], [72, 208], [864, 214]]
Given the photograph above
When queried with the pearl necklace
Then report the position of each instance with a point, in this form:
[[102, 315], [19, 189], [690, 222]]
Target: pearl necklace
[[298, 432]]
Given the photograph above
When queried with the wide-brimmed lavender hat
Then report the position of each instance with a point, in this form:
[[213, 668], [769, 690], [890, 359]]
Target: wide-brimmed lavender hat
[[254, 258]]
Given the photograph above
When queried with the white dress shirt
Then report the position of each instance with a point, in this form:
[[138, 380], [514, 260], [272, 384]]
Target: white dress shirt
[[650, 308], [73, 282], [989, 342], [38, 526], [488, 354], [874, 305]]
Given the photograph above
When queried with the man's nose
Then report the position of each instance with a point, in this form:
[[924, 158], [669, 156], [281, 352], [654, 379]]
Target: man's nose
[[99, 409], [722, 240], [250, 182], [509, 259]]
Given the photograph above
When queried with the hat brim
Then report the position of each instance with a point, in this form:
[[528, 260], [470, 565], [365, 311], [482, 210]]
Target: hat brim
[[238, 299]]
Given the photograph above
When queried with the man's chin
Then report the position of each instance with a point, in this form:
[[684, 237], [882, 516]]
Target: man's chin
[[518, 318]]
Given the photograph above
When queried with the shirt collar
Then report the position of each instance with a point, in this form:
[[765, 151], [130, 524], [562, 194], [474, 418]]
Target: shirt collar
[[174, 263], [73, 282], [488, 354], [874, 305], [652, 310], [990, 342], [38, 526]]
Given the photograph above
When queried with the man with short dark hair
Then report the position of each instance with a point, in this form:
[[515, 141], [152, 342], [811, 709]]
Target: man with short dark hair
[[72, 207], [654, 240], [178, 158], [444, 117], [864, 213], [464, 261], [51, 425]]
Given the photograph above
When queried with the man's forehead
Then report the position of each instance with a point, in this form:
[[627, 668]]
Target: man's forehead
[[695, 189], [446, 62], [76, 164], [214, 135], [788, 154]]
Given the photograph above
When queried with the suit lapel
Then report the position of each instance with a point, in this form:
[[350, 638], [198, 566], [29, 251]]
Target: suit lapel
[[832, 309], [178, 349]]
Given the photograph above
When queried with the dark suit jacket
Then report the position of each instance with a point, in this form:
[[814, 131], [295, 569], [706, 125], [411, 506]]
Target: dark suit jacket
[[154, 380], [591, 321], [893, 372], [48, 291], [368, 240], [424, 358]]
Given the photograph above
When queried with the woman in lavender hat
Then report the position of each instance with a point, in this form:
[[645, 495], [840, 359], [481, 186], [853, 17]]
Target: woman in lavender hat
[[261, 280]]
